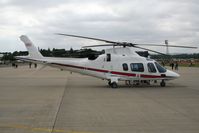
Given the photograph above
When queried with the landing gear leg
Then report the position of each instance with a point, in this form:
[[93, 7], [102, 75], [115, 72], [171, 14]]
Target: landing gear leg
[[128, 83], [109, 83], [162, 84]]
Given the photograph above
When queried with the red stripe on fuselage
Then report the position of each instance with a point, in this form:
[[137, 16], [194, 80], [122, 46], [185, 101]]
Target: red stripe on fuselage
[[149, 76], [106, 71], [124, 74]]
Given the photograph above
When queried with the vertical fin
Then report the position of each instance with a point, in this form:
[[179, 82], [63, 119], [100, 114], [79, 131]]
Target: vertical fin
[[33, 51]]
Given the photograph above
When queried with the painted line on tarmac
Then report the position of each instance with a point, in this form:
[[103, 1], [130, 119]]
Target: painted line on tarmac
[[41, 129]]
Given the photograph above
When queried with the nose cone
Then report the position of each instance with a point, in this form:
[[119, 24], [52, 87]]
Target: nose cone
[[172, 74]]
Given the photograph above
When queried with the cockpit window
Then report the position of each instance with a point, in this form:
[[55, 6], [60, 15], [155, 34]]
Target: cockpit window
[[137, 67], [151, 68], [160, 68]]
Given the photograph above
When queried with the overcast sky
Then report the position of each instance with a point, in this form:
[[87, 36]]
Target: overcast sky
[[139, 21]]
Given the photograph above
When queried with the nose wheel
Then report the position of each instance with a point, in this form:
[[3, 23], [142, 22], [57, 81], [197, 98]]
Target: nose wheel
[[162, 83]]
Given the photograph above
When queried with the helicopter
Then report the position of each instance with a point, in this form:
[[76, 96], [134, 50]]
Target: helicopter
[[119, 63]]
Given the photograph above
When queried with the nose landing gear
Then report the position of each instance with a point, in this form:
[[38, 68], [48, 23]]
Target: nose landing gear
[[162, 84]]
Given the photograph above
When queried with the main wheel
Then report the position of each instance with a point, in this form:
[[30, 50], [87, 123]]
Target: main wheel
[[114, 85], [162, 84]]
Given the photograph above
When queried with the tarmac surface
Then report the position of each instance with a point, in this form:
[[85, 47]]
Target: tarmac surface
[[54, 101]]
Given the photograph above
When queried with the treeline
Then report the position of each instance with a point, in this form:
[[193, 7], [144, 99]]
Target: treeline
[[82, 53], [176, 56]]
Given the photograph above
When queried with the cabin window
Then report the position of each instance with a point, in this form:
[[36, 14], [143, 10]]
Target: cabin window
[[151, 68], [108, 57], [137, 67], [125, 67], [160, 68]]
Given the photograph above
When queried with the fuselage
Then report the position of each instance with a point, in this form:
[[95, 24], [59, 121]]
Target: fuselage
[[123, 67], [114, 64]]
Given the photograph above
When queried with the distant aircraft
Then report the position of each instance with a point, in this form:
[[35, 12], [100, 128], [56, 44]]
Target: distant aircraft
[[117, 64]]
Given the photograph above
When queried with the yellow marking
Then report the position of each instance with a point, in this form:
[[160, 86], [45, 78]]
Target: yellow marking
[[41, 129]]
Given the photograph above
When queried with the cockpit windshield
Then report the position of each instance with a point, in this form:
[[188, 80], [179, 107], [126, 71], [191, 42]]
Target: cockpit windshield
[[160, 68]]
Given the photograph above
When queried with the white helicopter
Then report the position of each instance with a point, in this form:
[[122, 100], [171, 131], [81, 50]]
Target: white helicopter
[[116, 64]]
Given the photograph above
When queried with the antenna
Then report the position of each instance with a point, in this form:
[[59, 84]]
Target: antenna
[[167, 48]]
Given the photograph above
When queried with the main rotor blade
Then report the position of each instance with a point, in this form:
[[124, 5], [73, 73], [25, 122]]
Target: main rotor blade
[[102, 45], [120, 43], [149, 50], [90, 38], [179, 46]]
